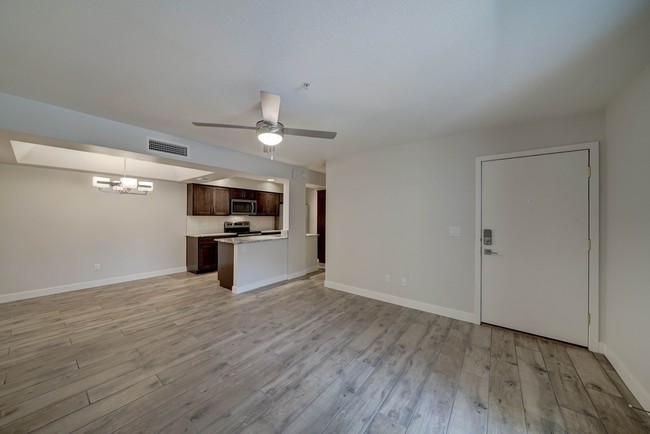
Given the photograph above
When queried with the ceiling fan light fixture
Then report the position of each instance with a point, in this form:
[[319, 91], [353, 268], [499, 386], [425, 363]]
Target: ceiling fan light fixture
[[270, 134]]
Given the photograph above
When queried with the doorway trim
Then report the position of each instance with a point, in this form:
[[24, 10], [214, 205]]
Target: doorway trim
[[593, 283]]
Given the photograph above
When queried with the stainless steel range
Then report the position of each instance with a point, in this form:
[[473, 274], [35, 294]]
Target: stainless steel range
[[242, 229]]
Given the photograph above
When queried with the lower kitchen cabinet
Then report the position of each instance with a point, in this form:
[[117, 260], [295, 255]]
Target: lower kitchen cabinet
[[201, 254]]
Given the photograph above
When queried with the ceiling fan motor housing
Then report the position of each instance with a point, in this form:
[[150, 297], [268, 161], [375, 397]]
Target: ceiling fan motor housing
[[268, 133]]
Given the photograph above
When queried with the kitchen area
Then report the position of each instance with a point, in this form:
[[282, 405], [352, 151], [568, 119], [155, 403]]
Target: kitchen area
[[242, 234]]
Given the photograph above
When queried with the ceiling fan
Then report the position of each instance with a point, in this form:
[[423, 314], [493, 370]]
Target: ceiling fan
[[269, 131]]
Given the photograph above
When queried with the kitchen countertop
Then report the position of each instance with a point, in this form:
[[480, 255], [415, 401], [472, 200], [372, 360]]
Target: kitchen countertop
[[255, 239], [220, 234]]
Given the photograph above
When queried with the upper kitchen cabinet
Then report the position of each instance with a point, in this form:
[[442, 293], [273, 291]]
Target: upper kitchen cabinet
[[207, 200], [268, 204], [240, 193]]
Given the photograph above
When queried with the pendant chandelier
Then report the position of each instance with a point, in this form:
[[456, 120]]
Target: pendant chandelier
[[123, 185]]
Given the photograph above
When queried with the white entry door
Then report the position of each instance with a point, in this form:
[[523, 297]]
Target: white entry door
[[535, 272]]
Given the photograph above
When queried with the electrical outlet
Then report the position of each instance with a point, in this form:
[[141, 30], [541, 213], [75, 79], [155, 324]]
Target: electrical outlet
[[454, 231], [98, 267], [388, 278], [403, 281]]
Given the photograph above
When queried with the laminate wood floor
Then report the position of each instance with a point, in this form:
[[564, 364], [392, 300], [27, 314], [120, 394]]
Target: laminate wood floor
[[179, 354]]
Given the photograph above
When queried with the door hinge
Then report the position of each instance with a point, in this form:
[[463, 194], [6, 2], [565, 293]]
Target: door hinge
[[588, 319], [588, 171], [589, 245]]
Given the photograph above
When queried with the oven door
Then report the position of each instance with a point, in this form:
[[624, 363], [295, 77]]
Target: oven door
[[243, 207]]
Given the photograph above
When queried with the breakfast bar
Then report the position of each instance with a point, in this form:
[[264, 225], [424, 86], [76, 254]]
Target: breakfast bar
[[248, 263]]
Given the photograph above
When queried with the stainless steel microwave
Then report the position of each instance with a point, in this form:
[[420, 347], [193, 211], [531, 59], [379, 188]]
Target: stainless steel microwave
[[243, 207]]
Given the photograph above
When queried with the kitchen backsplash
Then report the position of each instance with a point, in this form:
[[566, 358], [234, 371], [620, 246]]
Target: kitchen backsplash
[[213, 225]]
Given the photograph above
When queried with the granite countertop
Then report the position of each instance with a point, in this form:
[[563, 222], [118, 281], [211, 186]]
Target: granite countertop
[[219, 234], [255, 239]]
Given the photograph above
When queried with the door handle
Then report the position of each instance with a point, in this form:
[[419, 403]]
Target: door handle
[[489, 252]]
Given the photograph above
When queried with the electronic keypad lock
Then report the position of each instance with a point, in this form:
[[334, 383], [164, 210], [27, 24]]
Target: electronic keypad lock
[[487, 237]]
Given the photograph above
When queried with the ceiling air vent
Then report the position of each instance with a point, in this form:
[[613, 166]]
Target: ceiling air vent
[[167, 148]]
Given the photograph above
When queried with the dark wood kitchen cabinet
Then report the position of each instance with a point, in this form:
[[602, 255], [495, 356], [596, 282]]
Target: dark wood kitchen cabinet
[[268, 204], [240, 193], [207, 200], [201, 254]]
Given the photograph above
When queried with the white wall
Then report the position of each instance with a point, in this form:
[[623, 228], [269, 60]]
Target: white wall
[[297, 220], [54, 226], [625, 240], [389, 212]]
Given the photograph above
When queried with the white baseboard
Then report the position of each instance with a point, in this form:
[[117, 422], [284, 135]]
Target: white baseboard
[[296, 274], [401, 301], [639, 392], [258, 284], [6, 298]]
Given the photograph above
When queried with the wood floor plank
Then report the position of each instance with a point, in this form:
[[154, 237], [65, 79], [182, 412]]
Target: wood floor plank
[[477, 355], [319, 413], [591, 373], [177, 353], [431, 414], [641, 417], [141, 411], [380, 346], [242, 415], [470, 412], [540, 406], [91, 412], [604, 362], [180, 426], [526, 341], [578, 423], [615, 414], [503, 345], [384, 425], [18, 392], [569, 390], [506, 408], [402, 399], [287, 407], [10, 411], [434, 408], [358, 412], [42, 417]]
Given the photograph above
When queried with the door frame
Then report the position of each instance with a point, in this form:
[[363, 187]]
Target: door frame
[[593, 282]]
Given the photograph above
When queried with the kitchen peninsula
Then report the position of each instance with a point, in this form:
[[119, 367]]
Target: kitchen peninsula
[[247, 263]]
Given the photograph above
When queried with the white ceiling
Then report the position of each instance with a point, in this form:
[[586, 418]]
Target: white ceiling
[[382, 72]]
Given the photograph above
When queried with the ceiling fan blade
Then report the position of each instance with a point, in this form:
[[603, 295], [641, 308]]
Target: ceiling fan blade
[[270, 107], [310, 133], [207, 124]]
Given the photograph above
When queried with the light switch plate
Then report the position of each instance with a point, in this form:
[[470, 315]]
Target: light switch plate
[[454, 231]]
